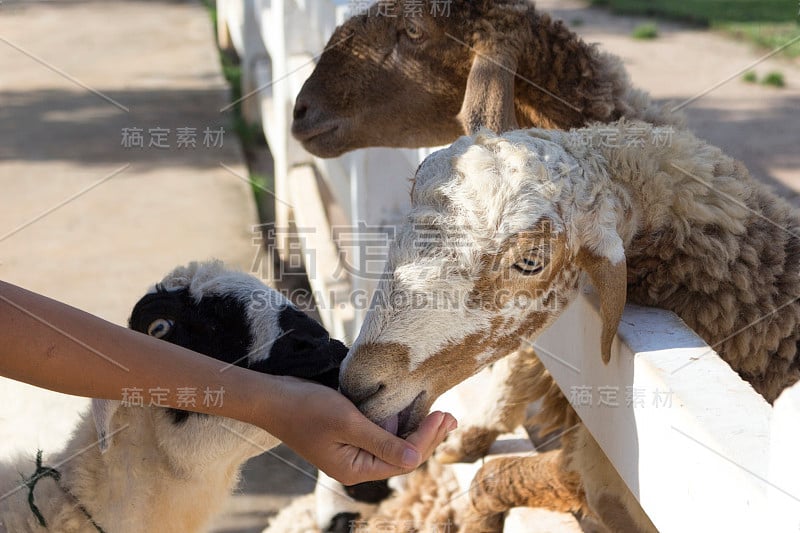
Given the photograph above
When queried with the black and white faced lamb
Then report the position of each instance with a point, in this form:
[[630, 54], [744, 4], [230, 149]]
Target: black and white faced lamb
[[134, 466]]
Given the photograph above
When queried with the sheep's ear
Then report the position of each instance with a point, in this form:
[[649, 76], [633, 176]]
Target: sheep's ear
[[489, 98], [103, 411], [610, 279]]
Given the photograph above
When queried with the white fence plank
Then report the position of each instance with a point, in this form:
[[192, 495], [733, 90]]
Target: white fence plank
[[330, 291], [784, 480], [690, 437]]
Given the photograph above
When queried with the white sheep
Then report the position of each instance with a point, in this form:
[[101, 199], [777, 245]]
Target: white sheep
[[518, 220], [129, 469]]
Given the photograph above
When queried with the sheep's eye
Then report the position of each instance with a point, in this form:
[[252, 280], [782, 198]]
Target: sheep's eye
[[413, 31], [529, 266], [159, 328]]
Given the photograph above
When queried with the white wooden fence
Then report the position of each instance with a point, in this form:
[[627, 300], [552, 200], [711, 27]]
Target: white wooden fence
[[697, 446]]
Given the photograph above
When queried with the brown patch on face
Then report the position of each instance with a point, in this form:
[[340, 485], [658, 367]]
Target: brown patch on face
[[377, 372], [496, 286], [497, 283], [373, 365]]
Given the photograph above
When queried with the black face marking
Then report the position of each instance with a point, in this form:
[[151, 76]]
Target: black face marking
[[369, 491], [342, 523], [304, 350], [218, 326]]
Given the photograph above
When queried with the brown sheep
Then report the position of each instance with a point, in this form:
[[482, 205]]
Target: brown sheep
[[424, 77]]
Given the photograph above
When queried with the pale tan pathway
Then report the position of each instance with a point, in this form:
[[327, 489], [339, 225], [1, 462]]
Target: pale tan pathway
[[73, 76]]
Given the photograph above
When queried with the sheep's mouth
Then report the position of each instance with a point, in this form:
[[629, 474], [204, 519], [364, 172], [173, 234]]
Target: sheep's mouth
[[407, 419], [313, 132]]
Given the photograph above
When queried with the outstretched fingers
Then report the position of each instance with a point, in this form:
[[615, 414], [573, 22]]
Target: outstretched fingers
[[383, 455]]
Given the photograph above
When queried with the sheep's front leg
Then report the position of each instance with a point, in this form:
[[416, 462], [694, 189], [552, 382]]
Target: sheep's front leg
[[532, 481], [500, 410]]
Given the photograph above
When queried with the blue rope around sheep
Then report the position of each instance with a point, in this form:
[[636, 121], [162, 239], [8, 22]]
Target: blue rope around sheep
[[41, 473]]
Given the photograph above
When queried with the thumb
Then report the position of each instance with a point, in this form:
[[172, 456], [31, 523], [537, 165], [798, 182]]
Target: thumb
[[431, 432], [406, 454]]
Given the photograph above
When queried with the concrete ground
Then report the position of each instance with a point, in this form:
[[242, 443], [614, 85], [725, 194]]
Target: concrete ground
[[75, 74]]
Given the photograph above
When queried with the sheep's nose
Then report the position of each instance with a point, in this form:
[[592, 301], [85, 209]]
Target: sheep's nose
[[369, 366], [359, 394], [300, 110]]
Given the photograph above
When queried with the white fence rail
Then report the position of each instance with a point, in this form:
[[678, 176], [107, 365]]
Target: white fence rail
[[697, 446]]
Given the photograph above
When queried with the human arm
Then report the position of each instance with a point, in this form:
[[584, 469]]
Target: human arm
[[52, 345]]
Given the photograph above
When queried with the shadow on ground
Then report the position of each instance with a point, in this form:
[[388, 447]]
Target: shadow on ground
[[35, 124]]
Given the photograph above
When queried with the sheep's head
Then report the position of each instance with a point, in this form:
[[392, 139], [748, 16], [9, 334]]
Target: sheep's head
[[500, 231], [410, 74], [235, 318], [232, 317]]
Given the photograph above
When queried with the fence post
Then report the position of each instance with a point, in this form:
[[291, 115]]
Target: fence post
[[784, 480]]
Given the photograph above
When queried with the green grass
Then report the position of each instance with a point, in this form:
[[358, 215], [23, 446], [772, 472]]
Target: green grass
[[766, 35], [262, 184], [750, 77], [645, 31], [708, 11], [766, 23], [250, 134], [774, 79]]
